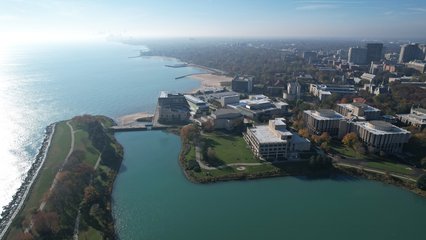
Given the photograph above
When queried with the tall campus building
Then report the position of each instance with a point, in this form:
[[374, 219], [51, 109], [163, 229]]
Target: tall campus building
[[410, 52], [374, 52]]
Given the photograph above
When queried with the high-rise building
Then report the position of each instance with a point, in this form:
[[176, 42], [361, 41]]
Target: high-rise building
[[242, 84], [374, 52], [410, 52], [357, 56]]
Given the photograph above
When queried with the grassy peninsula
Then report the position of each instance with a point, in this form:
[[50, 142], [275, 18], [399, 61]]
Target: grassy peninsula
[[220, 156], [71, 196]]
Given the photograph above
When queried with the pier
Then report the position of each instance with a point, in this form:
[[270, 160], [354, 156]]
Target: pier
[[136, 128]]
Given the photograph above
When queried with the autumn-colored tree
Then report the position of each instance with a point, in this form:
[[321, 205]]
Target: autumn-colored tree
[[24, 236], [90, 194], [350, 139], [189, 133], [324, 137], [325, 146], [304, 132], [46, 223]]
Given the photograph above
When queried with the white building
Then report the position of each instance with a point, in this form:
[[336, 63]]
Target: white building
[[358, 111], [322, 120], [274, 142], [224, 118], [368, 77], [416, 117], [382, 136], [322, 91], [196, 105], [293, 91]]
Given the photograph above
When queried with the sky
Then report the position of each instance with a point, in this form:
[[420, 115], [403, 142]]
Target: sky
[[23, 20]]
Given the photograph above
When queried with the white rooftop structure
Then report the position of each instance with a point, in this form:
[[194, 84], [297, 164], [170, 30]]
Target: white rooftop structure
[[194, 100], [381, 128], [369, 77], [324, 114]]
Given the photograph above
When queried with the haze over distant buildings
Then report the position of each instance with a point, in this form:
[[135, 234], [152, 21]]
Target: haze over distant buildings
[[59, 19]]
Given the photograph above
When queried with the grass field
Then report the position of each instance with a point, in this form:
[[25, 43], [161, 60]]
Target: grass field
[[346, 151], [83, 143], [230, 148], [391, 167]]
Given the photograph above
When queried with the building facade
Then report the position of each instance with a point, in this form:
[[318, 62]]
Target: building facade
[[293, 91], [322, 120], [358, 111], [197, 106], [382, 136], [374, 52], [322, 91], [226, 119], [357, 56], [410, 52], [416, 117], [243, 84], [172, 108]]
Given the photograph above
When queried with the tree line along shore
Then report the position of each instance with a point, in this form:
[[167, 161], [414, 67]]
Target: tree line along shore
[[208, 157], [71, 195]]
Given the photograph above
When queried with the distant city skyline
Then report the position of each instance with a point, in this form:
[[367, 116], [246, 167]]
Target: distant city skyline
[[84, 19]]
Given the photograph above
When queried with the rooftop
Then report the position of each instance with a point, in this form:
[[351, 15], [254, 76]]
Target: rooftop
[[193, 99], [324, 114], [265, 134], [365, 107], [381, 127]]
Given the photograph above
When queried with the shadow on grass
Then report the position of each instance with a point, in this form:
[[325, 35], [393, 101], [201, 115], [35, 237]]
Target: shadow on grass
[[303, 170]]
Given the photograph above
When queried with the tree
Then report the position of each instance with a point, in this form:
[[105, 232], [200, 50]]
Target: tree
[[24, 236], [421, 182], [350, 139], [46, 223], [304, 132], [189, 133]]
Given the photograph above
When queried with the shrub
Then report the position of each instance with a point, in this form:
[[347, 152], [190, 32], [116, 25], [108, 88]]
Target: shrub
[[421, 182]]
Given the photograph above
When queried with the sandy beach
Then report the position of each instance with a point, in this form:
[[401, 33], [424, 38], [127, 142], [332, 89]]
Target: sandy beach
[[132, 118], [210, 80]]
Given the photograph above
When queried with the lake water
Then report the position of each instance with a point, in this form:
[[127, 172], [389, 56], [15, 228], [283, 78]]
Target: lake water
[[152, 199], [43, 84]]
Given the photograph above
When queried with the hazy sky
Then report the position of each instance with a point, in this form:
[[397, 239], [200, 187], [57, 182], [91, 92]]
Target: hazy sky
[[37, 19]]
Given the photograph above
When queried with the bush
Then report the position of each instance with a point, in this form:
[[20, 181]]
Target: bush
[[193, 165], [421, 182]]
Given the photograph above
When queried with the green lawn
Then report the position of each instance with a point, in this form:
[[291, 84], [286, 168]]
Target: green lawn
[[391, 167], [346, 151], [91, 234], [230, 148], [83, 143], [190, 155]]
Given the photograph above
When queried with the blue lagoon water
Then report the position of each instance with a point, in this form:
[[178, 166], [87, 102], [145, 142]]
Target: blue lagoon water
[[153, 200], [43, 84]]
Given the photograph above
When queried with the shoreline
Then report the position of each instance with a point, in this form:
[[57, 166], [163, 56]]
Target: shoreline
[[208, 80], [11, 210], [333, 171], [385, 179]]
